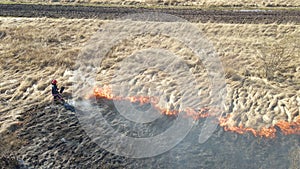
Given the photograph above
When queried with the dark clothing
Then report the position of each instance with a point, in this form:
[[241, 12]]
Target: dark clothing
[[55, 93], [54, 90]]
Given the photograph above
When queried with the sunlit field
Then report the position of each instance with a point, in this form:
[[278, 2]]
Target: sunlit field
[[260, 62]]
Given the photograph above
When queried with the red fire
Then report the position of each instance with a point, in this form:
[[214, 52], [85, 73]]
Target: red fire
[[290, 128], [104, 92], [285, 127], [263, 132]]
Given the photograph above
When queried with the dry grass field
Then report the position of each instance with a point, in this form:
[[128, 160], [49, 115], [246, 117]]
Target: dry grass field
[[261, 64], [35, 50], [193, 3]]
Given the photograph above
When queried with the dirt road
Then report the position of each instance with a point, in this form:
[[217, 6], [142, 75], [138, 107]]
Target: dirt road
[[192, 15]]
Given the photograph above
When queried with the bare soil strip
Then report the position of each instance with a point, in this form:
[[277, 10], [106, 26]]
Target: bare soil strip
[[192, 15]]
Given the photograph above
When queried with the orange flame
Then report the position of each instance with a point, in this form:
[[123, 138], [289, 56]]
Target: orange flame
[[263, 132], [290, 128], [285, 127], [140, 99], [104, 92], [203, 113]]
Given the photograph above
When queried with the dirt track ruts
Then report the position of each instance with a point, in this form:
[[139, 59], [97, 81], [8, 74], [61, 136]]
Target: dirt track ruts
[[192, 15]]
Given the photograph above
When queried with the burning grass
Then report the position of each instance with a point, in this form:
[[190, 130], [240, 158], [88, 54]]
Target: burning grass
[[34, 51], [269, 132]]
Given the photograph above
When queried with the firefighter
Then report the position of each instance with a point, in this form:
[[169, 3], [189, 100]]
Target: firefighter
[[56, 93]]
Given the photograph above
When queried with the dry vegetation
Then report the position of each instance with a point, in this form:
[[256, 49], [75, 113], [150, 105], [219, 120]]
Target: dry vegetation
[[196, 3], [34, 51], [261, 62], [276, 56]]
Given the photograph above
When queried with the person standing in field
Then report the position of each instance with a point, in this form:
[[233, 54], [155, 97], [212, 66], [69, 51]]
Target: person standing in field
[[56, 93]]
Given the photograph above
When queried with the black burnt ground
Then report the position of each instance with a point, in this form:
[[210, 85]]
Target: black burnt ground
[[54, 138]]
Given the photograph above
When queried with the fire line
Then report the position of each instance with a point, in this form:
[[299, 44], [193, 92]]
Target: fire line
[[285, 127]]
